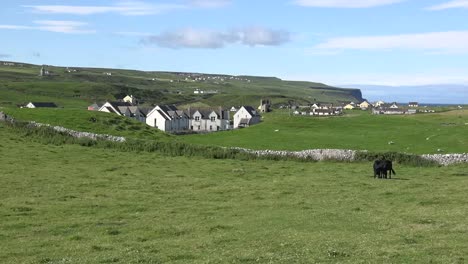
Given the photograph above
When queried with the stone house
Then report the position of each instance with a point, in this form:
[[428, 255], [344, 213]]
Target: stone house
[[208, 120]]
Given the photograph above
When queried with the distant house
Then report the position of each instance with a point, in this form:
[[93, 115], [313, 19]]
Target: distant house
[[130, 99], [364, 104], [246, 116], [168, 119], [379, 103], [324, 106], [41, 105], [124, 109], [413, 104], [394, 105], [233, 109], [94, 107], [208, 120], [349, 107]]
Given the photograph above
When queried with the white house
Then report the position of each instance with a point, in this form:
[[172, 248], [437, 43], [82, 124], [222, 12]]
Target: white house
[[130, 99], [168, 119], [379, 103], [246, 116], [208, 120], [41, 105], [124, 109]]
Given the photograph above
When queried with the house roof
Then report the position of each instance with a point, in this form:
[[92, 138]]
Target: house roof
[[168, 111], [206, 112], [251, 110], [44, 104]]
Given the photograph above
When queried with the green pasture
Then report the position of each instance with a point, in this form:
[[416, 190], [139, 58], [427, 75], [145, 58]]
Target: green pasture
[[72, 204], [357, 130], [89, 121]]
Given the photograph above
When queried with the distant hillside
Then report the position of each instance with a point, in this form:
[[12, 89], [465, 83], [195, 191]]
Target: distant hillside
[[77, 87]]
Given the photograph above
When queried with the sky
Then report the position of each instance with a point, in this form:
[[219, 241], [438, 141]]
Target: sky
[[337, 42]]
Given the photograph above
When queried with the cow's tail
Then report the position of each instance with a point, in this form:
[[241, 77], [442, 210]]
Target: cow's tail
[[393, 171]]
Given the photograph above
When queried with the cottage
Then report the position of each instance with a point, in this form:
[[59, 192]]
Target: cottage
[[246, 116], [41, 105], [413, 104], [124, 109], [168, 119], [379, 103], [208, 120], [130, 99], [364, 104], [348, 107]]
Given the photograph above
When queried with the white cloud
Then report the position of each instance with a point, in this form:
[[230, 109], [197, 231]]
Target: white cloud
[[15, 27], [60, 26], [450, 4], [128, 8], [446, 42], [210, 39], [209, 3], [63, 26], [345, 3], [133, 34]]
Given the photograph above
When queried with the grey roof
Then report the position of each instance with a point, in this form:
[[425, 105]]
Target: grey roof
[[251, 110], [206, 112], [44, 104]]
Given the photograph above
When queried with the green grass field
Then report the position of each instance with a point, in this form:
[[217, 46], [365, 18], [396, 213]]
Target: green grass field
[[72, 204], [89, 121], [357, 130]]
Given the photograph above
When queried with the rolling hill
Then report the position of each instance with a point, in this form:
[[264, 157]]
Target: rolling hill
[[75, 87]]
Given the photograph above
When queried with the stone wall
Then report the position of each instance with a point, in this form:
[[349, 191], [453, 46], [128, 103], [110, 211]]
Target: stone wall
[[349, 155], [447, 159], [79, 134], [311, 154]]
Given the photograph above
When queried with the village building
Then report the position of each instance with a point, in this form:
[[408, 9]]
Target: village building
[[208, 120], [413, 104], [124, 109], [168, 118], [265, 106], [130, 99], [364, 105], [348, 107], [246, 116], [379, 103], [41, 105]]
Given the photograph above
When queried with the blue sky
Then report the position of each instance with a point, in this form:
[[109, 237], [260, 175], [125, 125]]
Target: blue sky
[[338, 42]]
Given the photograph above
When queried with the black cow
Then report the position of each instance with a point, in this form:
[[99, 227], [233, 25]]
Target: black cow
[[383, 169]]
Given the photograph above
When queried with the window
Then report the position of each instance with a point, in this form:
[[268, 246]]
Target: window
[[211, 127], [213, 118], [197, 118]]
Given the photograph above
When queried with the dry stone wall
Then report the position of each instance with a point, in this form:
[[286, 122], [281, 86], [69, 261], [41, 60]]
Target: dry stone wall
[[79, 134], [447, 159], [349, 155]]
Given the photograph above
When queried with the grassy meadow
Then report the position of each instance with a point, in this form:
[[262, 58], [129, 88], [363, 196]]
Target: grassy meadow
[[357, 130], [73, 204]]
